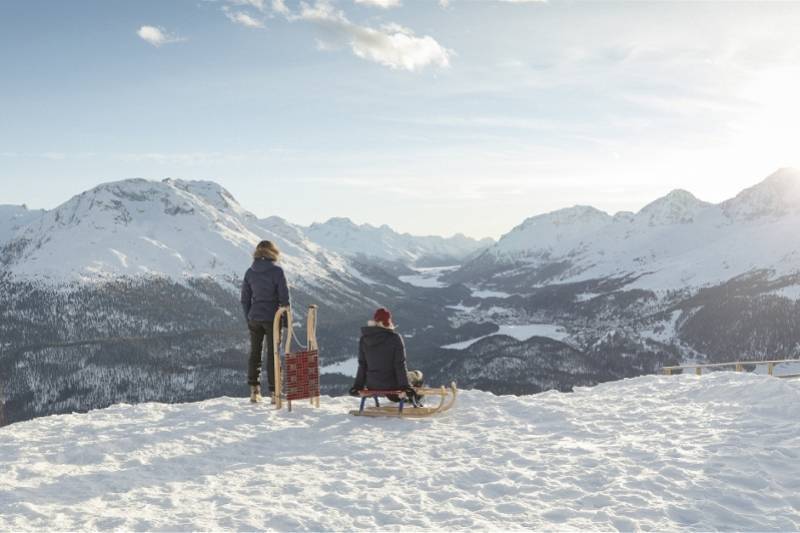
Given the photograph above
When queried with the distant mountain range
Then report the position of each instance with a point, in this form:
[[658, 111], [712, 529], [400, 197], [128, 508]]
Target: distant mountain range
[[129, 292], [672, 243], [180, 229], [347, 238]]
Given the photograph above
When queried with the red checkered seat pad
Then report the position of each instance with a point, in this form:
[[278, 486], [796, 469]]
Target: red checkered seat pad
[[302, 375]]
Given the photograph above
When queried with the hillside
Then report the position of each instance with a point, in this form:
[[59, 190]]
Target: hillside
[[716, 453]]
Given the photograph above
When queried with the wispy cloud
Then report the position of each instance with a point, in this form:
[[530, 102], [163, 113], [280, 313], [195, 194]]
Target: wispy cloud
[[240, 17], [390, 45], [448, 3], [385, 4], [279, 6], [260, 5], [157, 36]]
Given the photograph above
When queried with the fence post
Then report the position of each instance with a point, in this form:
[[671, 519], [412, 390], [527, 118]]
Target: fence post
[[770, 368]]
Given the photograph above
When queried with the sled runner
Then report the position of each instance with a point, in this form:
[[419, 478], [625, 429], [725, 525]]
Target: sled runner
[[301, 369], [406, 408]]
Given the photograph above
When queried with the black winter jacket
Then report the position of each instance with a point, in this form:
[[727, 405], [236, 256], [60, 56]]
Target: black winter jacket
[[264, 289], [381, 360]]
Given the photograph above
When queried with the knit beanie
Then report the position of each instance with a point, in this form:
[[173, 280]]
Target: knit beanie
[[383, 316]]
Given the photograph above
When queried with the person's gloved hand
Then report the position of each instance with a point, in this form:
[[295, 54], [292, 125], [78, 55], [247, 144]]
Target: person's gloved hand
[[354, 391]]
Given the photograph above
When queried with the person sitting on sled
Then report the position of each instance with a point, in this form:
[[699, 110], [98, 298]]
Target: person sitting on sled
[[382, 360]]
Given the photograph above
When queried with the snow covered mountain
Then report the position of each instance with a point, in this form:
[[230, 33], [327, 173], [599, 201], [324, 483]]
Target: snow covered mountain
[[655, 453], [131, 287], [679, 280], [345, 237], [13, 218], [129, 293], [173, 229], [673, 243]]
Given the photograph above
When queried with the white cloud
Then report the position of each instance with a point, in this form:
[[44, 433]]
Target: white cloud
[[279, 6], [157, 36], [240, 17], [256, 4], [385, 4], [446, 3], [391, 45]]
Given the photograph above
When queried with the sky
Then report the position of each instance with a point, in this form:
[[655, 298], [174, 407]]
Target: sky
[[432, 116]]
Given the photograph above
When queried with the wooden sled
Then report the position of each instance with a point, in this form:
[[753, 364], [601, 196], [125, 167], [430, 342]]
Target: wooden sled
[[447, 398], [298, 377]]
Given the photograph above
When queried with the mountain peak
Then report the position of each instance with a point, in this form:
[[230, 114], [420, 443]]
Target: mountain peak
[[545, 231], [776, 195], [676, 207], [786, 179], [209, 191], [569, 216], [337, 222]]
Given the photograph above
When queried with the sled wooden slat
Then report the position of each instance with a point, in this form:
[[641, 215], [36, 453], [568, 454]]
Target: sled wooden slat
[[447, 400], [276, 337]]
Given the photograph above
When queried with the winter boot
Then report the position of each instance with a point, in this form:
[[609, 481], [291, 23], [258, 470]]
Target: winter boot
[[415, 380], [255, 393]]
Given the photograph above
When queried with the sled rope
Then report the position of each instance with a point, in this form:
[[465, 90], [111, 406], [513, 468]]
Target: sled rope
[[311, 326]]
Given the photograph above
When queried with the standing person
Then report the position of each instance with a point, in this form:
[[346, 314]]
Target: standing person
[[264, 290], [382, 358]]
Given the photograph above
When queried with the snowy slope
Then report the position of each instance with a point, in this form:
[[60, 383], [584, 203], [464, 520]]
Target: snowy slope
[[343, 236], [655, 453], [172, 228], [13, 218], [675, 242]]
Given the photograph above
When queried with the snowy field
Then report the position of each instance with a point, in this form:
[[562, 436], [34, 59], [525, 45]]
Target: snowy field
[[519, 332], [476, 293], [427, 277], [720, 452], [348, 367]]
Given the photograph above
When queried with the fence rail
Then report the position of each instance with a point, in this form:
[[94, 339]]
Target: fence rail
[[738, 365]]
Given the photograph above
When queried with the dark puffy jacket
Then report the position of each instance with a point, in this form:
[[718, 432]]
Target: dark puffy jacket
[[381, 360], [264, 289]]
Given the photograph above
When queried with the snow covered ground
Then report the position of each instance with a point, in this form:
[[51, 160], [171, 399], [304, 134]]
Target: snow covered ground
[[348, 367], [519, 332], [427, 277], [476, 293], [719, 452]]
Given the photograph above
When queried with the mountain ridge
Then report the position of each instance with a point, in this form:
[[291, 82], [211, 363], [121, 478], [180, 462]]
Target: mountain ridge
[[660, 244]]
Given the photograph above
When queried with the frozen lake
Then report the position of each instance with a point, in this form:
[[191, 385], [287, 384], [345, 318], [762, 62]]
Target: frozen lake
[[519, 332]]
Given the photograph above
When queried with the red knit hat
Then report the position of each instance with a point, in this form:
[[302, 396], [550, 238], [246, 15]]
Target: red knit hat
[[383, 316]]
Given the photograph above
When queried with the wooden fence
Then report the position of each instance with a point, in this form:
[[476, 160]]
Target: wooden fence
[[739, 366]]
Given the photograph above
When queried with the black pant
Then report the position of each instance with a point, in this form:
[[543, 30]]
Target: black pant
[[259, 330]]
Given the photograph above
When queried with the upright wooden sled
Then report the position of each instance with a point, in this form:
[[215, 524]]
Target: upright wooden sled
[[298, 377], [403, 409]]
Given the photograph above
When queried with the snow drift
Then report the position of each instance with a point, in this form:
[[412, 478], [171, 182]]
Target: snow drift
[[718, 452]]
